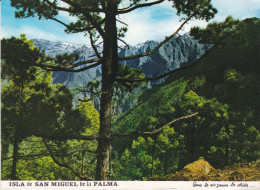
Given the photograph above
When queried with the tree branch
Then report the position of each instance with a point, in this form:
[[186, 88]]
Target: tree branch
[[68, 137], [87, 14], [91, 98], [134, 2], [79, 150], [56, 20], [157, 130], [71, 65], [96, 10], [130, 8], [122, 22], [57, 7], [160, 45], [82, 63], [87, 28], [124, 43], [169, 73], [27, 156], [88, 91], [63, 164], [57, 68], [93, 45]]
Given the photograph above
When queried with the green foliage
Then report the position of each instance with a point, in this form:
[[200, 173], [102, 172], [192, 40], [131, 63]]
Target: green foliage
[[93, 86], [26, 82], [137, 163], [80, 154], [40, 111], [32, 106], [149, 156], [34, 163], [121, 32], [232, 76], [225, 131], [23, 71], [222, 88], [64, 59], [91, 116], [219, 32], [98, 19], [41, 169], [126, 72], [202, 9]]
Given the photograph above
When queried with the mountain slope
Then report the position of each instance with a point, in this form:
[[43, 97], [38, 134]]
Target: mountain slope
[[173, 54], [223, 87], [236, 172]]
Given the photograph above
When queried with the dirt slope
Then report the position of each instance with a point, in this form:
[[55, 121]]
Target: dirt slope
[[201, 170]]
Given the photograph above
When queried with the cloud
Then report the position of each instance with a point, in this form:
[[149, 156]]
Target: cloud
[[30, 31], [237, 8], [160, 20], [150, 23], [64, 14], [67, 17], [62, 4], [36, 33]]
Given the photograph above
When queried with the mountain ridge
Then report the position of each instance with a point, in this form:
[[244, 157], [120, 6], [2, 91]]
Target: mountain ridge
[[177, 51]]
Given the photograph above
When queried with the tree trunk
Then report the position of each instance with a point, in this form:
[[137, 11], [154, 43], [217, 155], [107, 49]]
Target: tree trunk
[[15, 160], [109, 71], [153, 152]]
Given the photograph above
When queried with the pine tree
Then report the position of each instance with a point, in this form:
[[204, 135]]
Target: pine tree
[[98, 19], [31, 106], [17, 56]]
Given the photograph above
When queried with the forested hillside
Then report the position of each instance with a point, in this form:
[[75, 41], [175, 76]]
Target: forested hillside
[[207, 109], [223, 88]]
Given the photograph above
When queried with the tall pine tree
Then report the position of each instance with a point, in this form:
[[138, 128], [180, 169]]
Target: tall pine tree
[[98, 19]]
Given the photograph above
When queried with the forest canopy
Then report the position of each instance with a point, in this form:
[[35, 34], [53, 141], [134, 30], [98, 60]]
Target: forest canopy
[[170, 123]]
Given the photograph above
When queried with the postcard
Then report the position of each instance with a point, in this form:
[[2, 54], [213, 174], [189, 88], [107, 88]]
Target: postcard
[[130, 94]]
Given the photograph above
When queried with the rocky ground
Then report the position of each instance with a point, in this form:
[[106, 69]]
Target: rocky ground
[[201, 170]]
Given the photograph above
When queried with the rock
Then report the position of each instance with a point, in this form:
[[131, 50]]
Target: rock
[[200, 166], [257, 162], [196, 172], [177, 52]]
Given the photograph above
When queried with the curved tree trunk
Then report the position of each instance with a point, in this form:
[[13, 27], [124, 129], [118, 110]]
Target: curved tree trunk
[[109, 71], [15, 159]]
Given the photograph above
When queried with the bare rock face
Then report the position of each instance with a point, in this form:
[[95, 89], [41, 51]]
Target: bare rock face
[[200, 166], [177, 52]]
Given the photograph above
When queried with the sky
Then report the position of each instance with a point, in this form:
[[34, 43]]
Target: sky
[[151, 23]]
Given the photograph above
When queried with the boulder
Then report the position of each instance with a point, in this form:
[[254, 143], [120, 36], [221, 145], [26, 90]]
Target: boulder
[[199, 166]]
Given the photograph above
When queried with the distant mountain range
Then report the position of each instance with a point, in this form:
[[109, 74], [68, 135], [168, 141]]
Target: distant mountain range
[[179, 51], [176, 52]]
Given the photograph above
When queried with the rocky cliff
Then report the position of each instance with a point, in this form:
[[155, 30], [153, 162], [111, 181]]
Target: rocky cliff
[[173, 54], [178, 51]]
